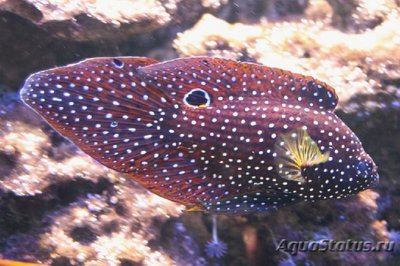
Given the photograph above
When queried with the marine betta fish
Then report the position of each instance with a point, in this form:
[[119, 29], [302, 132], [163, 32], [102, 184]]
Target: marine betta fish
[[214, 134]]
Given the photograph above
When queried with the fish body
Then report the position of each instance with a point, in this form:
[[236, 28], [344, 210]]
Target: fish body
[[211, 133]]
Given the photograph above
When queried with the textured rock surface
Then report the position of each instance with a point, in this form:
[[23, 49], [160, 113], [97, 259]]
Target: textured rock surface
[[102, 19], [59, 207], [40, 34], [360, 15], [308, 46]]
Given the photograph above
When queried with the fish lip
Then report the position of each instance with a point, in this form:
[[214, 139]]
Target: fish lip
[[376, 180], [375, 177]]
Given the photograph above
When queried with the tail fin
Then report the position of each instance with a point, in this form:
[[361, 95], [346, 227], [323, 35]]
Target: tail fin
[[103, 106]]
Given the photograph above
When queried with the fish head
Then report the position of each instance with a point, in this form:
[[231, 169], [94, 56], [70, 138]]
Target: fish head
[[347, 170], [323, 155], [351, 163], [355, 174]]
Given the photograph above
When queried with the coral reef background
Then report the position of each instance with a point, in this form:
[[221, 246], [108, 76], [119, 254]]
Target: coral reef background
[[59, 207]]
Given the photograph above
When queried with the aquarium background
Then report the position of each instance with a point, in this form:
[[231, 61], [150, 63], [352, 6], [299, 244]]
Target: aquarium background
[[59, 207]]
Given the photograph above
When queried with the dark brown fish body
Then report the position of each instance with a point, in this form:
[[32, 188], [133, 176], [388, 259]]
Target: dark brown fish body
[[225, 136]]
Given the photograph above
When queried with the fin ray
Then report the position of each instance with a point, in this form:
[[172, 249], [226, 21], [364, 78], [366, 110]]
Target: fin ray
[[295, 150]]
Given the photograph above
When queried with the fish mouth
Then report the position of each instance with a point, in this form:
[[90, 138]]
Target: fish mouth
[[368, 171], [375, 177]]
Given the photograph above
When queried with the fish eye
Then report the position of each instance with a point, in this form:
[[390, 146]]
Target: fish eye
[[197, 98], [363, 169]]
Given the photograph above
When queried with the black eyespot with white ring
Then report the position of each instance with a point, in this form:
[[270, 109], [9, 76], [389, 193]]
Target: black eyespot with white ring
[[118, 63], [197, 98]]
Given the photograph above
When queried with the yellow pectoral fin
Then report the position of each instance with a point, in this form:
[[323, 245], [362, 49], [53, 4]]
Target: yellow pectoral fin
[[295, 150]]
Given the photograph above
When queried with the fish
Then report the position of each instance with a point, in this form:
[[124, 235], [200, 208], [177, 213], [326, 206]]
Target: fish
[[214, 134]]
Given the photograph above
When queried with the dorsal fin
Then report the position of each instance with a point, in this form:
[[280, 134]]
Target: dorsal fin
[[223, 77]]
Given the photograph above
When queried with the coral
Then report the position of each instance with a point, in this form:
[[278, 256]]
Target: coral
[[215, 248]]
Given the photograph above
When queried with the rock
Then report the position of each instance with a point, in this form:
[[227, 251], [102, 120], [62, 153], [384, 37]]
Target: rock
[[58, 205], [36, 35], [36, 162], [205, 38], [102, 19], [360, 15], [250, 11], [95, 231], [304, 46]]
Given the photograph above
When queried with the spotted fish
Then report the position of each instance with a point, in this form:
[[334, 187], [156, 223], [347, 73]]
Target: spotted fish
[[214, 134]]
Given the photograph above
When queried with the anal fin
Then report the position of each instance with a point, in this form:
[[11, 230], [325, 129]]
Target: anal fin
[[260, 201]]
